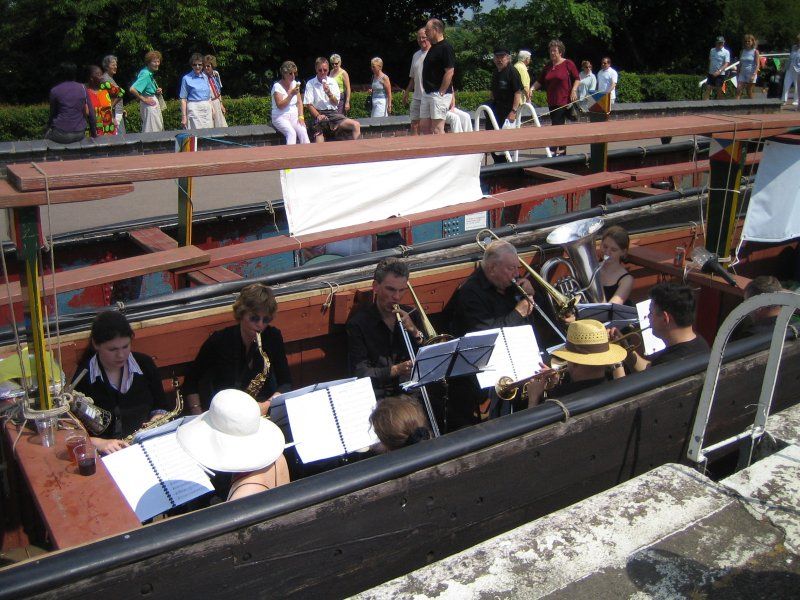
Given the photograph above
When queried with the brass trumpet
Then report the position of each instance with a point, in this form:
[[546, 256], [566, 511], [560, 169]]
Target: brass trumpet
[[431, 337], [563, 304], [507, 389]]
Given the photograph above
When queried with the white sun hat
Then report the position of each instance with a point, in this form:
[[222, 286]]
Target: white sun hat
[[231, 436]]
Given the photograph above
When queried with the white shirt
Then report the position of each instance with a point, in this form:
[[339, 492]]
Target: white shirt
[[128, 371], [290, 108], [605, 77], [416, 73], [316, 96]]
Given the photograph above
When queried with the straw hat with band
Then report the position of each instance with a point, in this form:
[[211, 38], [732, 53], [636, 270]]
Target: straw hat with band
[[587, 344], [231, 436]]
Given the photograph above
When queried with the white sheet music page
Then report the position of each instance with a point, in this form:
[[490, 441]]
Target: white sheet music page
[[138, 482], [314, 426], [354, 403], [516, 355], [184, 478], [652, 344]]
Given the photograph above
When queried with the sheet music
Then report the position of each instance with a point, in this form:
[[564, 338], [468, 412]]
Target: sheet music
[[651, 343], [516, 355], [436, 359], [162, 429], [148, 474], [320, 433]]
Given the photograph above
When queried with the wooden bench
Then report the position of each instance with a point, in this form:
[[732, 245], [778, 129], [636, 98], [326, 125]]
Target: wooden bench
[[523, 197], [153, 239], [75, 509], [75, 279]]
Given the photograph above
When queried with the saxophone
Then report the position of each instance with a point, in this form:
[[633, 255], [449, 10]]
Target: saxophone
[[255, 385], [166, 417]]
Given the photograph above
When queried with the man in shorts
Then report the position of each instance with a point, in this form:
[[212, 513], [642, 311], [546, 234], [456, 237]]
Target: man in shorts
[[718, 59], [438, 69], [415, 80], [322, 100]]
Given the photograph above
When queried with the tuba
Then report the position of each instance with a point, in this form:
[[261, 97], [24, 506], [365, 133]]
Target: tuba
[[255, 385], [577, 239], [166, 417]]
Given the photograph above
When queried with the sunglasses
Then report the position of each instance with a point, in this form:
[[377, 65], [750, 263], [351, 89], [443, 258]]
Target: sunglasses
[[336, 64], [259, 319], [197, 64]]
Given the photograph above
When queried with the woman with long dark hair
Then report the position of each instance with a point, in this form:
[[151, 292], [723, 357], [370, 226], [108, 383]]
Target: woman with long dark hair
[[125, 383]]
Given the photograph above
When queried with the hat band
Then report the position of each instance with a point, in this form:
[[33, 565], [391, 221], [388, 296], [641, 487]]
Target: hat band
[[587, 348]]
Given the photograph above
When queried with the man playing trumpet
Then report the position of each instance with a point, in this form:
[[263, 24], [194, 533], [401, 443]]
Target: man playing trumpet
[[375, 345]]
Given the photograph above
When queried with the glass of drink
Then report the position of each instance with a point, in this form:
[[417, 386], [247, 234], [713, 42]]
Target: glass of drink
[[74, 440], [86, 457], [46, 427]]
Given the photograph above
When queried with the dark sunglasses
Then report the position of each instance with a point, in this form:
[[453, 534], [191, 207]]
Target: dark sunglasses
[[197, 64]]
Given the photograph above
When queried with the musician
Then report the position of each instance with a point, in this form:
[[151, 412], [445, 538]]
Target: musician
[[375, 345], [486, 300], [762, 320], [672, 314], [244, 450], [125, 383], [230, 359], [399, 421], [590, 360], [617, 282]]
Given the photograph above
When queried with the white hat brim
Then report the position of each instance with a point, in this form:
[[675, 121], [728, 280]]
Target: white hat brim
[[228, 453]]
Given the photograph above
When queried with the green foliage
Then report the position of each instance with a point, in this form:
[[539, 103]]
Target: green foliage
[[476, 79], [629, 88], [661, 87], [23, 122]]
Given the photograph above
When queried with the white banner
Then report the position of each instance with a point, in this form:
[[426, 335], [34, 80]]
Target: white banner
[[773, 214], [323, 198]]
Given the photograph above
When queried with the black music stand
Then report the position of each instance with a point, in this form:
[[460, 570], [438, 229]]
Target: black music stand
[[462, 356], [613, 315]]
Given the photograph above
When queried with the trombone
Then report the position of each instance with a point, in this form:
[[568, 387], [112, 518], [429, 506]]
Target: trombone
[[563, 304], [431, 337]]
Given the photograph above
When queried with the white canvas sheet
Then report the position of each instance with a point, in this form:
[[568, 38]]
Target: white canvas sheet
[[774, 211], [323, 198]]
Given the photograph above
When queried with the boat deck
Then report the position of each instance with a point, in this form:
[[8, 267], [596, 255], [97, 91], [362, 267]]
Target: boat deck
[[670, 533]]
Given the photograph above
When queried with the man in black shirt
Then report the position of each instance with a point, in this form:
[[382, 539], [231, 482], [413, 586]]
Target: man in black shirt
[[437, 78], [506, 93], [486, 300], [672, 313], [375, 345]]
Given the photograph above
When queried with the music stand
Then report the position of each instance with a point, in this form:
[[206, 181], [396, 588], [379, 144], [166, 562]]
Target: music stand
[[612, 315], [455, 358]]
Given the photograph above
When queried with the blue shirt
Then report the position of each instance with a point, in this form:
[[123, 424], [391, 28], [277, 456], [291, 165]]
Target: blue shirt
[[194, 88]]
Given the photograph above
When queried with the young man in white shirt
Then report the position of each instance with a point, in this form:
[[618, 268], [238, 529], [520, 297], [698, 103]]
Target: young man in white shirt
[[607, 79]]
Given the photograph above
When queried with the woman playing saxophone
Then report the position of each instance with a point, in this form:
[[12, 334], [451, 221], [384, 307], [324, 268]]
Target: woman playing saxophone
[[125, 383], [232, 358]]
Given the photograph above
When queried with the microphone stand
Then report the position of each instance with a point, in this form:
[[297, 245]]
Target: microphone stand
[[425, 398]]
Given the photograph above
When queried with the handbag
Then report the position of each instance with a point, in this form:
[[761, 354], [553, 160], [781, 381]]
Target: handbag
[[572, 112], [162, 104], [368, 103]]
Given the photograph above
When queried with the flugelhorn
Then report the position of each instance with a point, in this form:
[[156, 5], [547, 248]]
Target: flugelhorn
[[507, 389], [431, 337], [563, 304]]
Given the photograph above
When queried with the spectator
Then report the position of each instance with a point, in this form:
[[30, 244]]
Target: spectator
[[218, 109], [70, 110], [458, 120], [507, 92], [718, 60], [342, 79], [415, 81], [438, 69], [587, 85], [287, 106], [749, 65], [792, 74], [763, 319], [195, 95], [322, 99], [101, 97], [523, 61], [381, 89], [560, 78], [148, 93], [607, 79], [110, 66]]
